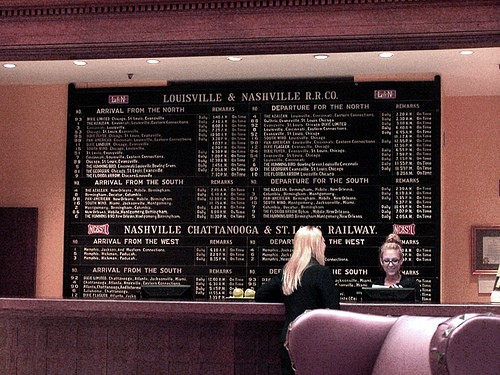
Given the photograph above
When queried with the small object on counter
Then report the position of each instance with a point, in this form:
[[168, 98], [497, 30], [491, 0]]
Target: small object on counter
[[250, 293], [238, 292]]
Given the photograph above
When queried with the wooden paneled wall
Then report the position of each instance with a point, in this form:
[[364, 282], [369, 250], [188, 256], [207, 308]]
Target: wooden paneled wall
[[106, 337], [108, 346]]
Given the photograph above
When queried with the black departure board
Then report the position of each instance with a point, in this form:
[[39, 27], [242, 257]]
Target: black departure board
[[206, 183]]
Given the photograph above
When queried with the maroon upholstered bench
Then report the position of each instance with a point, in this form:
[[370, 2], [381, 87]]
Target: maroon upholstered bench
[[335, 342]]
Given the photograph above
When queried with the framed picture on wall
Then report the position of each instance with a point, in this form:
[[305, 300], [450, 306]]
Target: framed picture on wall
[[485, 249]]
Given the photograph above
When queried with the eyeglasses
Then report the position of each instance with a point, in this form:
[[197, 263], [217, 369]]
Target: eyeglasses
[[393, 261]]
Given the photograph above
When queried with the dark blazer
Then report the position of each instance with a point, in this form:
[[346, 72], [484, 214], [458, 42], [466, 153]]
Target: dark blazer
[[317, 290]]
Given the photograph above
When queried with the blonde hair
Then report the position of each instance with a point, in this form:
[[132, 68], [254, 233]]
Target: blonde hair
[[308, 243], [394, 238], [391, 244]]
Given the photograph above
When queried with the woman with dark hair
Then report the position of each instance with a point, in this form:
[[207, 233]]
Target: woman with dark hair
[[304, 283]]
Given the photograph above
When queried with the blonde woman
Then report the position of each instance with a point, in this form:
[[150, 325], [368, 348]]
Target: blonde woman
[[391, 260], [305, 283]]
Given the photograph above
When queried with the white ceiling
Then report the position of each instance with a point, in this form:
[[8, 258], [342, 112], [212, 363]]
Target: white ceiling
[[476, 74]]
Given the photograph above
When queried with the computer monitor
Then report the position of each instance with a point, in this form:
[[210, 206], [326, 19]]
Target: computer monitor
[[388, 295], [166, 292]]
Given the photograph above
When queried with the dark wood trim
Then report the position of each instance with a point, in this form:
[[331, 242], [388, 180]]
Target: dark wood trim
[[28, 8], [213, 310], [18, 251], [64, 29]]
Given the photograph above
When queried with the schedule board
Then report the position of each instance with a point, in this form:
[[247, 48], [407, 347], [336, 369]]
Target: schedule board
[[206, 183]]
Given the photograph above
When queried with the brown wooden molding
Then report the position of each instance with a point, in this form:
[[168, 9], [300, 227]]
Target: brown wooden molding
[[60, 7], [64, 29]]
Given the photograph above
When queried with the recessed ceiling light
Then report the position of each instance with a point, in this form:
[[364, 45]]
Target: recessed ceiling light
[[153, 61], [9, 65], [385, 55], [80, 62], [466, 52], [321, 57], [234, 58]]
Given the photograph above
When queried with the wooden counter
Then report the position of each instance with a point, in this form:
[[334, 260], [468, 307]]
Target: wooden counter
[[141, 309], [57, 336], [227, 310]]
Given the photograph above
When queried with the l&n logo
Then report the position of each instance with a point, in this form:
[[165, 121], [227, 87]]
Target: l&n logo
[[384, 94], [118, 99]]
